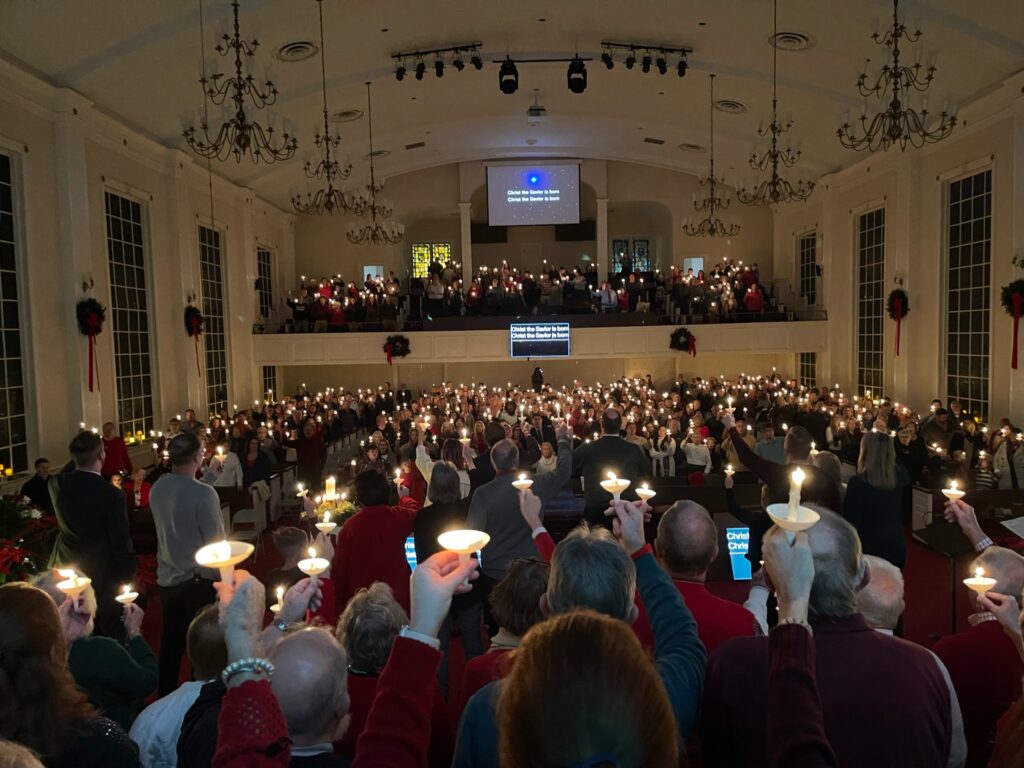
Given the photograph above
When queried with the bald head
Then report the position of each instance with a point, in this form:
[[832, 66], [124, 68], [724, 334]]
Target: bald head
[[838, 566], [505, 456], [611, 422], [881, 599], [687, 540], [1005, 566], [310, 682]]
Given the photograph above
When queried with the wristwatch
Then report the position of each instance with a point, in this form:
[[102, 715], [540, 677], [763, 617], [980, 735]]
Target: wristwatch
[[281, 624]]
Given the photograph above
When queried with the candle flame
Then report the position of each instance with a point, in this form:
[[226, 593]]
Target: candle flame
[[611, 476], [312, 551], [798, 476], [952, 485], [979, 572]]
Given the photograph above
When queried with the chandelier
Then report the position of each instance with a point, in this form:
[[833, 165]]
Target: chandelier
[[711, 225], [775, 189], [238, 135], [378, 231], [329, 198], [898, 123]]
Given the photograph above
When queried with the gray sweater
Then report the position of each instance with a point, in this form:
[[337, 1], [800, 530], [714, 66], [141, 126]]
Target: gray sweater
[[494, 509], [187, 516]]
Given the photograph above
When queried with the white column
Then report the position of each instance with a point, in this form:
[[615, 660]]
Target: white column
[[75, 240], [602, 238], [1013, 402], [901, 220], [466, 245]]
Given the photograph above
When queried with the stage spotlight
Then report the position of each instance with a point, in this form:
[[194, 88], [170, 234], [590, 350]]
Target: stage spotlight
[[476, 61], [661, 64], [606, 57], [508, 76], [681, 67], [421, 69], [645, 63], [577, 75], [400, 72], [631, 60], [458, 63], [439, 66]]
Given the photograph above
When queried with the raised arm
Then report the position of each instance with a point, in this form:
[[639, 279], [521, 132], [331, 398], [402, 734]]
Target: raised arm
[[765, 469], [546, 486]]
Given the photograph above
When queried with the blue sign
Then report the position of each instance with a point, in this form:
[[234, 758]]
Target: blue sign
[[410, 552], [738, 542]]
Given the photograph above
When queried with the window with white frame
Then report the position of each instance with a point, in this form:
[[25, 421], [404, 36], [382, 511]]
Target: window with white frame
[[969, 289], [870, 300], [270, 382], [129, 310], [211, 287], [808, 369], [13, 426], [265, 280], [807, 267]]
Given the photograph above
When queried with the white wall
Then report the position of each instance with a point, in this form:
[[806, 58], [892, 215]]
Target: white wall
[[66, 155]]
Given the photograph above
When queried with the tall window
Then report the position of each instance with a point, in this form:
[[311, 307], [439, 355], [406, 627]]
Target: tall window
[[424, 253], [270, 382], [211, 283], [808, 365], [638, 249], [969, 253], [870, 300], [807, 267], [13, 439], [265, 280], [126, 254]]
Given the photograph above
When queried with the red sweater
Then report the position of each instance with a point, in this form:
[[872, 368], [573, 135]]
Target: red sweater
[[480, 671], [717, 620], [116, 458], [985, 690], [371, 547]]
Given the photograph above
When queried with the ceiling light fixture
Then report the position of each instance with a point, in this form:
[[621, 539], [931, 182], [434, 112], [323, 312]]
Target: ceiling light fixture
[[329, 198], [476, 61], [631, 59], [661, 64], [682, 66], [238, 136], [607, 60], [645, 62], [775, 189], [439, 66], [658, 55], [440, 58], [421, 69], [712, 203], [458, 62], [898, 122], [577, 75], [379, 231], [400, 72], [508, 76]]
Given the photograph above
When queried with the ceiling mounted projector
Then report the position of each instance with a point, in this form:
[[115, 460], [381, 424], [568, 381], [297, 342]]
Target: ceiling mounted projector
[[536, 114]]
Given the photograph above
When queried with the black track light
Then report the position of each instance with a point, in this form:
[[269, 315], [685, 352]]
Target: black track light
[[508, 76], [681, 67], [607, 59], [661, 64], [400, 72], [439, 66], [458, 63], [631, 60], [421, 69], [476, 61], [577, 75], [645, 63]]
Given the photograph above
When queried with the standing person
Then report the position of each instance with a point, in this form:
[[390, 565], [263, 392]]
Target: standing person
[[190, 424], [537, 379], [92, 529], [610, 453], [310, 454], [37, 489], [874, 500], [116, 460], [187, 516]]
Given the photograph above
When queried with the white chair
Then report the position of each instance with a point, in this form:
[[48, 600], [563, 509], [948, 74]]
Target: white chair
[[249, 524]]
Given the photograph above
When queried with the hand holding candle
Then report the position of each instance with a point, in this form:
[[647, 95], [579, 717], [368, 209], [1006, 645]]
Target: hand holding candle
[[979, 582], [615, 485], [313, 566], [953, 492], [645, 493], [522, 483], [127, 596], [796, 480], [73, 585]]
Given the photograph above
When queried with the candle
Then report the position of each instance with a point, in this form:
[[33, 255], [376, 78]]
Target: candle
[[979, 582], [398, 477], [224, 556], [276, 607], [326, 526], [313, 566], [729, 471], [523, 483], [645, 493], [465, 437], [463, 543], [796, 479], [73, 584], [330, 488], [615, 485], [220, 453], [303, 491], [127, 596], [952, 493]]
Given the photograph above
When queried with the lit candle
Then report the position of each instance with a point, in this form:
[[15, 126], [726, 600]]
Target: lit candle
[[729, 471], [645, 493], [523, 483], [73, 584], [303, 491], [224, 556], [615, 485], [980, 583], [398, 477], [220, 453], [313, 566], [276, 607], [326, 526], [463, 543], [330, 488], [796, 479], [952, 493], [127, 596]]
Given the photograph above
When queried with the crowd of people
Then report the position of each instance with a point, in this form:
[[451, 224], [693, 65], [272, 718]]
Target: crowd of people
[[330, 304], [354, 665]]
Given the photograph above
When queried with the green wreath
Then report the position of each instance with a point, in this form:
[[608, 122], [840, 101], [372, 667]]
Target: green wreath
[[396, 346], [683, 341]]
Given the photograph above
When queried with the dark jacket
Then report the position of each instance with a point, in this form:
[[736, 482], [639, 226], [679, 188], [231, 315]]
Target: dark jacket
[[434, 520], [100, 743], [117, 678], [877, 514], [198, 739], [608, 454]]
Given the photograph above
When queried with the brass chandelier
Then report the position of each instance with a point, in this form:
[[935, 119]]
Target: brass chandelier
[[775, 188], [238, 136], [378, 231], [898, 123], [328, 198], [711, 225]]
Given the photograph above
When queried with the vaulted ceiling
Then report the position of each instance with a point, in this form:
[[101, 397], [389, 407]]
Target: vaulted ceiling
[[141, 60]]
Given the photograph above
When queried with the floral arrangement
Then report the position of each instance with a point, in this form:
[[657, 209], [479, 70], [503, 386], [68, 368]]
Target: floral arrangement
[[26, 538]]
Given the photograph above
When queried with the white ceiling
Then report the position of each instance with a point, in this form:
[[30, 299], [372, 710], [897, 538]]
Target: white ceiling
[[141, 60]]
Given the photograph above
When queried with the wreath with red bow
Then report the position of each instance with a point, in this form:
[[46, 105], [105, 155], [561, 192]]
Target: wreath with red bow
[[1012, 298], [91, 314], [396, 346], [898, 306], [684, 341], [194, 326]]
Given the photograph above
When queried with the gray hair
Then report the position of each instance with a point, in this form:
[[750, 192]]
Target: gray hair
[[590, 569], [881, 601], [311, 681], [687, 540], [838, 566], [505, 456], [369, 626], [830, 464], [1005, 566], [47, 581]]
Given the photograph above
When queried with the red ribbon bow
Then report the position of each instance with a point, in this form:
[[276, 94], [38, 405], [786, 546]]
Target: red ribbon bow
[[195, 335], [693, 346], [1017, 301], [898, 311], [92, 322], [387, 351]]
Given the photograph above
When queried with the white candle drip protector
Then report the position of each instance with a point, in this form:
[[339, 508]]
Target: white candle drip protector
[[325, 526], [73, 584], [729, 471], [615, 485], [463, 542], [313, 566], [780, 515], [127, 596], [224, 556], [953, 493], [979, 582], [523, 483], [645, 493]]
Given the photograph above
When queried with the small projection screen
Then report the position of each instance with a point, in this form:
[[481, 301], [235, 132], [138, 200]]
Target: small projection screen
[[526, 195], [538, 340]]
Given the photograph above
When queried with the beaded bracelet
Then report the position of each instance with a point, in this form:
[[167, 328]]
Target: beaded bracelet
[[799, 622], [249, 665]]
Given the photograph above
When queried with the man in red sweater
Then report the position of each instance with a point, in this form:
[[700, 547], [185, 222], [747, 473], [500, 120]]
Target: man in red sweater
[[986, 689], [686, 546], [116, 461], [371, 545]]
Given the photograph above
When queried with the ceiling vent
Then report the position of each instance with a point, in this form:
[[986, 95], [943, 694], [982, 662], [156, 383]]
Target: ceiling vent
[[346, 115], [649, 140], [730, 106], [416, 145], [791, 41], [378, 154], [297, 50], [688, 147]]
